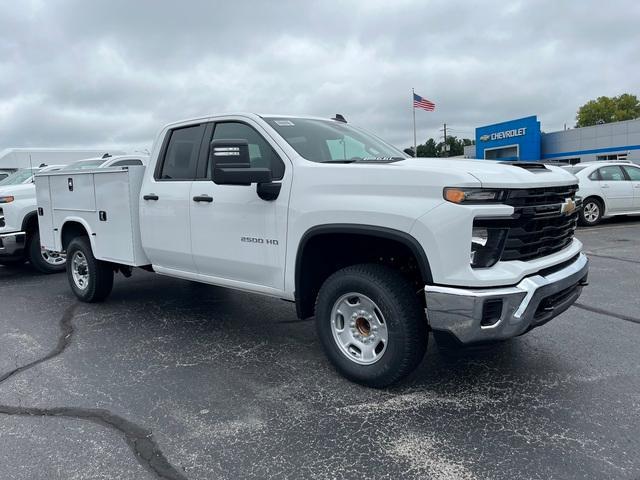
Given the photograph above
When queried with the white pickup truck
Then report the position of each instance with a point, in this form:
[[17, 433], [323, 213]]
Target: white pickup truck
[[380, 248]]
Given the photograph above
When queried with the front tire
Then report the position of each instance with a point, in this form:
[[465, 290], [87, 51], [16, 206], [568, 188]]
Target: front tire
[[90, 279], [371, 324], [44, 262], [591, 212]]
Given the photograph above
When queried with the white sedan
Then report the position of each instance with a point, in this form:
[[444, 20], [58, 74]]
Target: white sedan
[[607, 189]]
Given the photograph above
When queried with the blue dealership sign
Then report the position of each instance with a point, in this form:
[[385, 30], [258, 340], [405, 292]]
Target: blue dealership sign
[[518, 139]]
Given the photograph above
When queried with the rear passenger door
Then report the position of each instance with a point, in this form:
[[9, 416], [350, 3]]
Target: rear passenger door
[[617, 191], [238, 239], [634, 176], [165, 201]]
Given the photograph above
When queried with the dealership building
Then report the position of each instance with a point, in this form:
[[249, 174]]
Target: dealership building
[[522, 139]]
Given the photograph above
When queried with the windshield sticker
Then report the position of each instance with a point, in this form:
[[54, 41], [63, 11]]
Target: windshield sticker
[[284, 123]]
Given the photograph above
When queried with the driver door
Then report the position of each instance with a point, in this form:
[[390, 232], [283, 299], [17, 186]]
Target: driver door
[[237, 238]]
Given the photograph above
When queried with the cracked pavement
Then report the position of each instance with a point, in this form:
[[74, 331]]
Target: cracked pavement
[[170, 379]]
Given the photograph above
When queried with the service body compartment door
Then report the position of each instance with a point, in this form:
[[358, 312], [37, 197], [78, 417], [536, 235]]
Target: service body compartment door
[[45, 213]]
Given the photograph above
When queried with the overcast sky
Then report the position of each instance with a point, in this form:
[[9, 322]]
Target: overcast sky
[[111, 73]]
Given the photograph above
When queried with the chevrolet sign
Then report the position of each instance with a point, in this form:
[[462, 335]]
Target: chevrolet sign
[[516, 132]]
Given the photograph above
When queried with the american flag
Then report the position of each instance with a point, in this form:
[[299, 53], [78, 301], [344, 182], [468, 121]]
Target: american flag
[[419, 102]]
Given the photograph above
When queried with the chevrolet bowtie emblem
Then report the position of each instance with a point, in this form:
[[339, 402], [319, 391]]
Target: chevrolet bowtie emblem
[[568, 207]]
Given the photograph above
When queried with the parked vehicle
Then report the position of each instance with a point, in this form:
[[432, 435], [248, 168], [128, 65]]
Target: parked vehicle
[[17, 158], [607, 189], [19, 235], [379, 247], [4, 173], [104, 162]]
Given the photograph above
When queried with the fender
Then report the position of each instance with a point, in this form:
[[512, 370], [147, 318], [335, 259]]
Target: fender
[[82, 222], [359, 229]]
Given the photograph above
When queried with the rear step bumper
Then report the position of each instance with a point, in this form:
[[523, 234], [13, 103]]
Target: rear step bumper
[[481, 314]]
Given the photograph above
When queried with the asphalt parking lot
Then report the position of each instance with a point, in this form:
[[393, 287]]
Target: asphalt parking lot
[[170, 379]]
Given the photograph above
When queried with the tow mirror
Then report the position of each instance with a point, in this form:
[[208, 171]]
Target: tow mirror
[[231, 164]]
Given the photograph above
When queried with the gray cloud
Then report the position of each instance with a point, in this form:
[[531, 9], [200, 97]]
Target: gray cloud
[[76, 73]]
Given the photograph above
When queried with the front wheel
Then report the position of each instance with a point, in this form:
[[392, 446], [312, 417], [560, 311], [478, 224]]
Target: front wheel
[[91, 280], [43, 260], [371, 324]]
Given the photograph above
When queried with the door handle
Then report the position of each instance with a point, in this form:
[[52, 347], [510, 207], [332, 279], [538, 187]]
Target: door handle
[[203, 198], [604, 186], [151, 196]]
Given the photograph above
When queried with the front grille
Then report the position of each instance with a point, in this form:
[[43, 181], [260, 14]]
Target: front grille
[[534, 237], [538, 226]]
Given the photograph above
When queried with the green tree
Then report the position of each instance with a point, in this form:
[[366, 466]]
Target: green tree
[[428, 149], [431, 148], [608, 109]]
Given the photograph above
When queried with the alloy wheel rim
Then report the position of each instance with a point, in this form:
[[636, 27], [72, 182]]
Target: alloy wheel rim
[[80, 270], [359, 328], [591, 212], [53, 258]]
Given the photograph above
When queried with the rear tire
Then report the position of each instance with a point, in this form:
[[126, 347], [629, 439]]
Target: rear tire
[[52, 263], [591, 212], [91, 280], [371, 324]]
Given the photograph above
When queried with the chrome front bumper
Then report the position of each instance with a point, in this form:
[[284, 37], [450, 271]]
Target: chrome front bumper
[[481, 314], [12, 244]]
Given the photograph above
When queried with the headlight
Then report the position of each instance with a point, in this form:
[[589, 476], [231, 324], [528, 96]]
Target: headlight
[[7, 199], [474, 195], [486, 246]]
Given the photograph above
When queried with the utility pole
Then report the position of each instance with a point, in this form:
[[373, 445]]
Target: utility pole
[[446, 153]]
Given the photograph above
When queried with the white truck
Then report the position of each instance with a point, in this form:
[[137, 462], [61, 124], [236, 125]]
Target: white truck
[[380, 248], [19, 235]]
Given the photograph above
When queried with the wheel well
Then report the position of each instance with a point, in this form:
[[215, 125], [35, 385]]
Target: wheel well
[[599, 199], [324, 250], [71, 230]]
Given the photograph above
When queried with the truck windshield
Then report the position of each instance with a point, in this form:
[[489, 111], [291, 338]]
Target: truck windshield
[[21, 176], [330, 141]]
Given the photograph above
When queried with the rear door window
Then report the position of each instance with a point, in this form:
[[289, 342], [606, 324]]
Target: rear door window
[[612, 173], [181, 154]]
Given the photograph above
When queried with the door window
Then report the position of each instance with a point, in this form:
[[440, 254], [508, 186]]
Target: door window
[[633, 172], [181, 155], [612, 173], [261, 153]]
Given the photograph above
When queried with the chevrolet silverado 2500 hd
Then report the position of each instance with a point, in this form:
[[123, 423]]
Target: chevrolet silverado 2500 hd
[[380, 248]]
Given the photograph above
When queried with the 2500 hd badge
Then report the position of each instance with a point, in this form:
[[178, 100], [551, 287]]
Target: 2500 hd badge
[[268, 241]]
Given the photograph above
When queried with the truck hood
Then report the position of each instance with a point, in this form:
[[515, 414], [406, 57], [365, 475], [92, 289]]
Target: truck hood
[[493, 174], [19, 191]]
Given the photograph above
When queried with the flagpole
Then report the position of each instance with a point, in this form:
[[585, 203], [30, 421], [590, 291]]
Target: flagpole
[[413, 107]]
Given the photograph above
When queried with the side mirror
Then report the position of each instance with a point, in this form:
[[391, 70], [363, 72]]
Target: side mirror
[[231, 164]]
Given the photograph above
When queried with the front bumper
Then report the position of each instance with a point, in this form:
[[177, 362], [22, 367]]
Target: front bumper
[[486, 314], [12, 244]]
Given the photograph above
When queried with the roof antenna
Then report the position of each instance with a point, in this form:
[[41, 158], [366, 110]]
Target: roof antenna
[[106, 155], [339, 118]]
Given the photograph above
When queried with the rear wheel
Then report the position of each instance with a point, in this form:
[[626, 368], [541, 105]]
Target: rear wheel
[[91, 280], [44, 261], [591, 213], [371, 324]]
